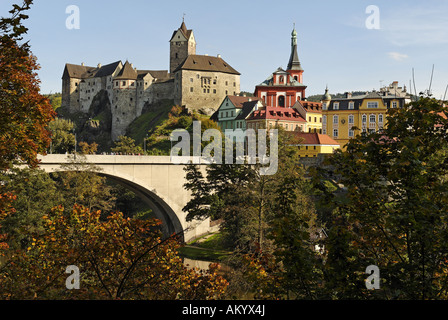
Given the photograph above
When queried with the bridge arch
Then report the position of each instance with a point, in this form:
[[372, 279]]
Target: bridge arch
[[158, 182]]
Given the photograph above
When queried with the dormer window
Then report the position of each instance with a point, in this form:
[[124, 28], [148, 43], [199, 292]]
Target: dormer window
[[336, 106]]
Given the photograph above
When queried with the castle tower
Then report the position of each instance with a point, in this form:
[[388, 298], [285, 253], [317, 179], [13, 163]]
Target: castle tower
[[294, 67], [182, 44]]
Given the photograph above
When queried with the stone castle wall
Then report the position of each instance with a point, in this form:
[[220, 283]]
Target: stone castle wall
[[203, 90]]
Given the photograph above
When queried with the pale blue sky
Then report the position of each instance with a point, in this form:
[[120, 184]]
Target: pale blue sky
[[335, 46]]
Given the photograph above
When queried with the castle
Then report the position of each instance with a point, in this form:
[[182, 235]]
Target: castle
[[196, 82]]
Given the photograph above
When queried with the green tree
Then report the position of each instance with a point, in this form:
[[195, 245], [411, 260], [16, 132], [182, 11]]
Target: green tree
[[36, 194], [62, 136], [126, 145], [80, 184]]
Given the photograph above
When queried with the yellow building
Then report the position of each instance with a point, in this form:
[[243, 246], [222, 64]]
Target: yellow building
[[313, 144], [312, 113], [366, 112]]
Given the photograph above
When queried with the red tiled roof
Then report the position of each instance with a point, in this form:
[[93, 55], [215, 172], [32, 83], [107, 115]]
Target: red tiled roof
[[311, 106], [315, 138], [277, 113]]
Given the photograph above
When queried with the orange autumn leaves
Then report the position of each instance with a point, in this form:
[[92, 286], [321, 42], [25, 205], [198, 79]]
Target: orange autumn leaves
[[119, 258]]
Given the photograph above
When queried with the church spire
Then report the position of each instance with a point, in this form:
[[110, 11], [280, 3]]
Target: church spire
[[294, 63]]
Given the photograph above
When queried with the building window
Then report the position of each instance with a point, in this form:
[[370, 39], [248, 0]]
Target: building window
[[124, 83], [191, 79], [324, 119], [191, 89], [335, 119], [324, 106], [351, 105], [335, 133], [351, 119], [336, 106], [372, 118], [214, 90], [281, 101], [394, 104], [372, 105], [380, 118], [364, 118], [351, 133]]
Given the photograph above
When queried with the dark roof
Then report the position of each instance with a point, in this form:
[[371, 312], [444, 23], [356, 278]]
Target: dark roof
[[127, 72], [238, 101], [357, 100], [184, 30], [206, 63], [247, 108], [156, 74], [85, 72], [107, 70], [294, 63], [77, 71]]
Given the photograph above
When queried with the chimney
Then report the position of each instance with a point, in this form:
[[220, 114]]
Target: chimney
[[99, 65], [82, 64], [348, 95]]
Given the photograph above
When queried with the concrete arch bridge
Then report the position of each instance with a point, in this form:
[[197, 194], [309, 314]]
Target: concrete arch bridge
[[155, 179]]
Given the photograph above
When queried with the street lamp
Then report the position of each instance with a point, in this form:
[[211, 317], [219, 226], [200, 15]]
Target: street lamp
[[144, 143]]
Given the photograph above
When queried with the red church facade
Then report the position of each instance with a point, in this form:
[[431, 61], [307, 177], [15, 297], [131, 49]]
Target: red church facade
[[284, 87]]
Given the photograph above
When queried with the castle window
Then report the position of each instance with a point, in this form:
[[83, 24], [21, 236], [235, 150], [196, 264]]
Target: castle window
[[214, 90], [116, 83], [227, 83], [191, 79], [205, 90], [351, 105], [131, 99], [177, 55], [191, 89], [76, 84], [234, 84], [124, 83], [214, 81]]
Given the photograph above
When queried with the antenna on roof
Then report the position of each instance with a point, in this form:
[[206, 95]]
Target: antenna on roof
[[413, 78], [430, 83]]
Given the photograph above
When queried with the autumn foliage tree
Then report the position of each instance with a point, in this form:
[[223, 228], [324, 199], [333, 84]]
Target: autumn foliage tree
[[24, 112], [119, 258]]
